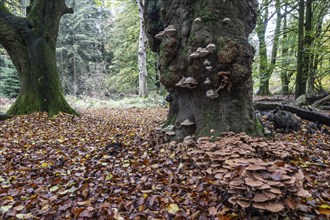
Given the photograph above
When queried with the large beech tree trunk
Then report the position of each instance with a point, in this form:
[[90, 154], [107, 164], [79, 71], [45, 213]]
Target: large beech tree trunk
[[30, 42], [198, 23]]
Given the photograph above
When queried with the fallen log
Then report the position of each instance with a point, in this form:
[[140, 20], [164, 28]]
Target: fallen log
[[321, 101], [305, 114], [308, 115]]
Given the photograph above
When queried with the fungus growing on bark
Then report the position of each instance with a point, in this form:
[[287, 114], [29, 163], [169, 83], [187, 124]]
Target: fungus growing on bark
[[180, 83], [212, 94], [190, 82], [207, 62], [226, 20], [168, 128], [210, 48], [209, 68], [197, 20], [187, 122], [224, 80], [170, 133], [160, 35], [207, 81], [200, 52], [170, 31]]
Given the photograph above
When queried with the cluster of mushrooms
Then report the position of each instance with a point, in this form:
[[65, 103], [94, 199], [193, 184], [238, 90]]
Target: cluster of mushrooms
[[170, 129], [190, 82], [264, 183]]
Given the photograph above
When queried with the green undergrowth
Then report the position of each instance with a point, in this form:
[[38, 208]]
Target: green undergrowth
[[153, 100]]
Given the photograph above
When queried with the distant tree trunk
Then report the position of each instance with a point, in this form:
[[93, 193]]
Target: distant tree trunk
[[75, 79], [308, 53], [285, 79], [301, 78], [262, 22], [266, 70], [30, 42], [142, 54], [157, 68], [222, 99]]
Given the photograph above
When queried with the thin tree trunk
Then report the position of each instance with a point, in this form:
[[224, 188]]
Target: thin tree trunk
[[285, 80], [308, 54], [142, 54], [157, 68], [301, 76]]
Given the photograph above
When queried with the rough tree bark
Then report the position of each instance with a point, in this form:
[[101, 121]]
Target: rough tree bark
[[224, 72], [142, 54], [30, 42]]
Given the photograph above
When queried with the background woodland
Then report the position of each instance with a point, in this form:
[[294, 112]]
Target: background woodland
[[97, 50]]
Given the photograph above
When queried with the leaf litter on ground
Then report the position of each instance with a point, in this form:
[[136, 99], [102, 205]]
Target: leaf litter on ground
[[113, 164]]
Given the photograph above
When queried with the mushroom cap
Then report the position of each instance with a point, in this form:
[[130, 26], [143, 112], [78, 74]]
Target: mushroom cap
[[169, 128], [188, 138], [170, 31], [212, 94], [243, 204], [170, 133], [190, 80], [210, 47], [226, 20], [180, 83], [197, 20], [207, 62], [194, 55], [207, 81], [255, 167], [209, 68], [263, 197], [253, 182], [187, 122], [274, 206], [160, 35], [202, 52], [303, 193]]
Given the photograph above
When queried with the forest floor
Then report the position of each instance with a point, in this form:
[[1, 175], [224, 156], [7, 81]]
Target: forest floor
[[113, 164]]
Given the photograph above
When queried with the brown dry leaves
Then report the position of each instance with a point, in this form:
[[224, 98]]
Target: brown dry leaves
[[112, 164]]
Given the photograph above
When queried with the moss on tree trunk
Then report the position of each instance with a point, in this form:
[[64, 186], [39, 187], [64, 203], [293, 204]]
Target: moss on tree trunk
[[199, 24], [31, 42]]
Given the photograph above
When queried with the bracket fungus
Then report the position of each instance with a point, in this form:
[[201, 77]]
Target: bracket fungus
[[187, 122], [207, 81], [210, 48], [160, 35], [212, 94], [200, 52], [209, 68], [198, 20], [226, 20], [180, 83], [207, 62], [190, 82], [170, 133], [170, 31]]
